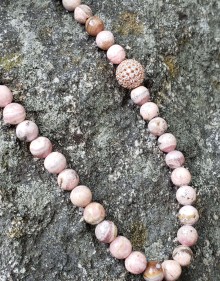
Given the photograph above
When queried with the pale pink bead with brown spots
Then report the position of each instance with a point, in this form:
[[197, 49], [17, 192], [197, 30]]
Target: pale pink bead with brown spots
[[116, 54], [149, 110], [157, 126], [41, 147], [82, 13], [27, 131], [55, 163], [120, 248], [183, 255], [174, 159], [14, 113], [105, 39], [68, 179], [81, 196], [94, 213], [136, 263], [70, 5], [188, 215], [181, 176], [106, 231], [172, 270], [140, 95], [167, 142], [186, 195], [6, 96], [187, 235]]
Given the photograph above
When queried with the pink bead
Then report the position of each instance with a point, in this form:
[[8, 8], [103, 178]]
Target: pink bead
[[68, 179], [181, 176], [188, 215], [120, 248], [136, 263], [149, 110], [94, 213], [81, 196], [27, 131], [116, 54], [140, 95], [157, 126], [82, 13], [167, 142], [105, 39], [41, 147], [70, 5], [6, 96], [175, 159], [153, 272], [55, 163], [106, 231], [14, 113], [186, 195], [172, 270], [187, 235], [183, 255]]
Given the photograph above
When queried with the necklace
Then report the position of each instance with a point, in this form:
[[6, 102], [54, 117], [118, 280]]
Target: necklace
[[130, 74]]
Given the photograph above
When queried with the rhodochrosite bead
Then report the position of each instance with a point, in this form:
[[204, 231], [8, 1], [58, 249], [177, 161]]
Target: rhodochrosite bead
[[120, 248], [149, 110], [55, 162], [82, 13], [105, 39], [181, 176], [157, 126], [68, 179], [187, 235], [70, 5], [41, 147], [140, 95], [116, 54], [183, 255], [106, 231], [172, 270], [154, 271], [94, 25], [174, 159], [136, 262], [27, 131], [6, 96], [14, 113], [188, 215], [94, 213], [130, 74], [186, 195], [167, 142], [81, 196]]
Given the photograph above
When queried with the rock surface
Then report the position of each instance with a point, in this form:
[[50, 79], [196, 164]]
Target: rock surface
[[68, 88]]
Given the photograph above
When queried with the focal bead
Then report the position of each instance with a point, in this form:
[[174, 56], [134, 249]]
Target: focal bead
[[94, 213], [41, 147], [188, 215], [172, 270], [120, 248], [186, 195], [105, 39], [116, 54], [187, 235], [154, 271], [174, 159], [55, 163], [157, 126], [94, 25], [14, 113], [106, 231], [136, 262], [181, 176], [6, 96], [167, 142], [27, 131], [68, 179], [149, 110], [82, 13], [81, 196], [70, 5], [183, 255], [140, 95]]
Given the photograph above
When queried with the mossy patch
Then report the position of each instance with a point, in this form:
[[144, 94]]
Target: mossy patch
[[170, 61], [138, 235], [10, 61], [128, 23]]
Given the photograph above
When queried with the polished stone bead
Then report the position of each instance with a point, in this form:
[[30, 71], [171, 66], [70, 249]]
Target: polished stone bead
[[154, 271]]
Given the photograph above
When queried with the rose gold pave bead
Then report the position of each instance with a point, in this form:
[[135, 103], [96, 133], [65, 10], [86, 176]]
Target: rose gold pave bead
[[153, 272], [94, 213], [68, 179], [41, 147], [130, 74], [167, 142], [14, 113], [6, 96], [181, 176], [120, 248], [27, 131], [94, 25], [116, 54], [186, 195], [187, 235], [183, 255], [55, 162], [188, 215], [82, 13], [70, 5], [81, 196], [175, 159], [136, 262], [149, 110], [140, 95], [106, 231], [157, 126], [105, 39], [172, 270]]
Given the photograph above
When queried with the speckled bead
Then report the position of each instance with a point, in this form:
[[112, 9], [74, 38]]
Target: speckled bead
[[94, 213], [187, 235], [172, 270], [136, 262], [14, 113], [68, 179], [153, 272], [106, 231], [181, 176], [140, 95], [167, 142], [186, 195], [149, 110], [82, 13], [120, 248], [188, 215], [157, 126], [41, 147], [94, 25], [183, 255], [6, 96], [81, 196], [55, 163], [174, 159], [116, 54], [130, 74], [70, 5], [27, 131], [105, 39]]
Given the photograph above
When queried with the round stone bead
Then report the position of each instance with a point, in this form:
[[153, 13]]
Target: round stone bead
[[105, 39], [41, 147], [174, 159], [172, 270], [116, 54], [106, 231], [149, 110], [81, 196], [181, 176], [14, 113], [6, 96], [94, 213], [187, 235], [68, 179], [70, 5], [157, 126], [82, 13], [94, 25], [154, 271], [183, 255], [186, 195], [120, 248], [188, 215], [140, 95], [55, 162], [130, 74], [167, 142], [136, 262], [27, 131]]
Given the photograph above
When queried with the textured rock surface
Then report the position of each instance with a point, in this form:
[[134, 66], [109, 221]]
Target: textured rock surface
[[68, 87]]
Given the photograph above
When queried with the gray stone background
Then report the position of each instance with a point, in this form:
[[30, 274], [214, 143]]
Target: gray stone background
[[68, 87]]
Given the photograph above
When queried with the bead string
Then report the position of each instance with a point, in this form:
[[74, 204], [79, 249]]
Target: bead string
[[130, 75]]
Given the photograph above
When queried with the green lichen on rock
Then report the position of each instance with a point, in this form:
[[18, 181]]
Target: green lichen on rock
[[10, 61]]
